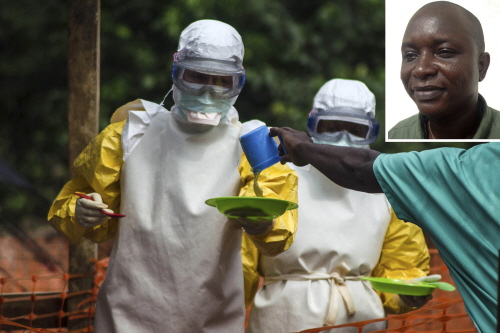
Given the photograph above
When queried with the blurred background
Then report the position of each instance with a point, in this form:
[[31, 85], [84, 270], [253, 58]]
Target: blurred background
[[291, 48]]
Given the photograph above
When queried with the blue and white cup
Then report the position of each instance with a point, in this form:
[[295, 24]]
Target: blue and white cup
[[260, 149]]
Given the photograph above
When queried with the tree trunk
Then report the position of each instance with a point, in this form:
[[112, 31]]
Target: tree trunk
[[83, 123]]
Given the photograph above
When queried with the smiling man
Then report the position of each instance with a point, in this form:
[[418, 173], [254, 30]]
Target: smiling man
[[443, 61]]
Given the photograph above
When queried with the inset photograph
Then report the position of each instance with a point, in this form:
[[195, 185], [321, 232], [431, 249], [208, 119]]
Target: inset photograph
[[442, 70]]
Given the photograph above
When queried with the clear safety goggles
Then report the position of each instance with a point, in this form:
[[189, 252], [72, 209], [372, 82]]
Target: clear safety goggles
[[196, 76], [332, 125]]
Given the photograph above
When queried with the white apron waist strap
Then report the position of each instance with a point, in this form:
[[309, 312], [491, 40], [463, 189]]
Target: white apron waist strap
[[338, 278]]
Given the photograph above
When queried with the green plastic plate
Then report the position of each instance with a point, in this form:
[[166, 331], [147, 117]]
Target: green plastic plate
[[251, 207], [400, 286]]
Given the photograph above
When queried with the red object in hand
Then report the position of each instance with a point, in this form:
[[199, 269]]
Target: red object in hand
[[102, 210]]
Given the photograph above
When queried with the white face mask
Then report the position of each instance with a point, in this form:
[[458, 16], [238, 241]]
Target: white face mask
[[202, 109], [204, 118], [343, 142]]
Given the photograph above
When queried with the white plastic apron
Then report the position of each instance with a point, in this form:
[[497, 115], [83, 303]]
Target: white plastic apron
[[176, 263], [339, 239]]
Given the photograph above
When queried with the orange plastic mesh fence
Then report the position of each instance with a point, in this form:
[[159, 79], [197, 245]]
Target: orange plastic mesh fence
[[431, 318], [85, 309], [444, 313]]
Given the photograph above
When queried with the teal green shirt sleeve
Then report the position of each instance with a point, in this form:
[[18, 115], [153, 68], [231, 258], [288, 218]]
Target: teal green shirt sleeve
[[454, 196]]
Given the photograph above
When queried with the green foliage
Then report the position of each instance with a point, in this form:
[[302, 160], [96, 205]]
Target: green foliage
[[292, 48], [33, 129]]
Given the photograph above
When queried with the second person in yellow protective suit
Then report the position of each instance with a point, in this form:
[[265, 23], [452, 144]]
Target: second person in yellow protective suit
[[342, 236]]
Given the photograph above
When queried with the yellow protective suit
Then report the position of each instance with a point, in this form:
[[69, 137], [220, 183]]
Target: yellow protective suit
[[404, 255], [98, 167], [173, 254]]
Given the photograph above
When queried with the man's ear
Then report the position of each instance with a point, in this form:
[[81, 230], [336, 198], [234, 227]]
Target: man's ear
[[484, 63]]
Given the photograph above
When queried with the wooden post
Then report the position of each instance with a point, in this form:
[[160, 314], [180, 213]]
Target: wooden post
[[83, 122]]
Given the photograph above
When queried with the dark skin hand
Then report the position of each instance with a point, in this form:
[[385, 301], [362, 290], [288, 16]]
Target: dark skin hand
[[348, 167]]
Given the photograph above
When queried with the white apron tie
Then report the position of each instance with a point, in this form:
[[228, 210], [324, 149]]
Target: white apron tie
[[338, 278]]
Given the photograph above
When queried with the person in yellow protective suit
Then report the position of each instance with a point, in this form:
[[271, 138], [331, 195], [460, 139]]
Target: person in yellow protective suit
[[343, 235], [175, 265]]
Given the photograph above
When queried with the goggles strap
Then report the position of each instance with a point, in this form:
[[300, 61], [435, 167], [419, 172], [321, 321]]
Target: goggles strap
[[164, 98]]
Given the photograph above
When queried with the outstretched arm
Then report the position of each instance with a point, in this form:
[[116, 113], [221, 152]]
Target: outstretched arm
[[348, 167]]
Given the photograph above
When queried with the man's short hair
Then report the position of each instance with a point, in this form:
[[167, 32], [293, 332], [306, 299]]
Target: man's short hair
[[475, 26]]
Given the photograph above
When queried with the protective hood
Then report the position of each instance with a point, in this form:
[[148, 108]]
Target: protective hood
[[211, 40], [343, 114], [338, 93], [210, 46]]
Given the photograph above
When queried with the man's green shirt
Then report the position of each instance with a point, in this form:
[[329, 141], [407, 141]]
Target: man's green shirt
[[415, 127], [454, 196]]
